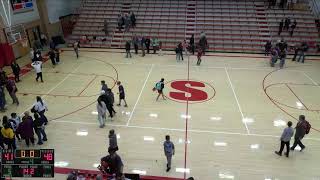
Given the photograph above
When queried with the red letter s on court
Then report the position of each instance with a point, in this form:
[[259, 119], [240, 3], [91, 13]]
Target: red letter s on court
[[195, 94]]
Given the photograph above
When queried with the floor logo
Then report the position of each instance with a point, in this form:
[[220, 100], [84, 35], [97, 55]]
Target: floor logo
[[192, 90]]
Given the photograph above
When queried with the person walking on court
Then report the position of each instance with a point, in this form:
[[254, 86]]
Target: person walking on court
[[280, 27], [12, 90], [128, 48], [199, 55], [110, 102], [16, 70], [302, 128], [113, 144], [304, 48], [39, 128], [40, 107], [285, 139], [159, 87], [25, 129], [104, 86], [37, 65], [169, 151], [191, 42], [121, 94], [267, 48], [102, 110], [76, 46], [52, 57]]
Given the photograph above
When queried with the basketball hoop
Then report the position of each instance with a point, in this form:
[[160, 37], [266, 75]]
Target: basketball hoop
[[24, 42]]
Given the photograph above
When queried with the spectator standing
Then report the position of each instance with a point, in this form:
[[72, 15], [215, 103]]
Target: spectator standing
[[169, 151], [180, 51], [105, 27], [133, 19], [292, 27], [120, 21], [8, 134], [15, 120], [160, 49], [274, 56], [25, 129], [304, 49], [287, 23], [39, 128], [280, 27], [267, 48], [302, 128], [32, 54], [12, 90], [203, 43], [128, 48], [297, 50], [155, 44], [16, 70], [2, 99], [191, 42], [41, 107], [43, 39], [52, 57], [121, 94], [148, 42], [135, 41], [143, 45], [127, 22], [101, 109], [285, 139], [37, 65], [113, 144], [57, 55], [282, 56], [76, 46], [289, 4]]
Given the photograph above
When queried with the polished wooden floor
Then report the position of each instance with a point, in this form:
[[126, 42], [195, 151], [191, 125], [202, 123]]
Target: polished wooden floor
[[231, 136]]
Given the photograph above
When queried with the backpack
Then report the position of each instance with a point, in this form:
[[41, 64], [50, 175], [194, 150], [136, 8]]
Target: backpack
[[158, 86], [308, 127]]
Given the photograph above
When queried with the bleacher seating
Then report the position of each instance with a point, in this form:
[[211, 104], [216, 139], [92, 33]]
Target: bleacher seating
[[230, 25]]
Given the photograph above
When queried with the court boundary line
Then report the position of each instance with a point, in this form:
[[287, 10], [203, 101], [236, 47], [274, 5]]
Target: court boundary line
[[297, 97], [314, 82], [53, 88], [138, 99], [178, 130], [236, 98]]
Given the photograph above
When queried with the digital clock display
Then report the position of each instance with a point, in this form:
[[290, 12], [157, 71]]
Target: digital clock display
[[27, 163]]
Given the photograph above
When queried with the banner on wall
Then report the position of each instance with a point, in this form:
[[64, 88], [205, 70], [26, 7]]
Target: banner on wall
[[19, 6]]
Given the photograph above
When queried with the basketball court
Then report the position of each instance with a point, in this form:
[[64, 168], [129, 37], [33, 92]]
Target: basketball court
[[230, 111]]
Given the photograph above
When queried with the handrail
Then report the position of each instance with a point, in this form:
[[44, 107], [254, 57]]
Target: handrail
[[315, 7]]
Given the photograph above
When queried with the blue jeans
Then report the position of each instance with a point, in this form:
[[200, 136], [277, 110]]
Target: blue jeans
[[40, 132], [282, 61], [301, 54]]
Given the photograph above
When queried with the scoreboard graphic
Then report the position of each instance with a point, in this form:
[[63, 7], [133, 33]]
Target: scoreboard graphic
[[27, 163], [21, 5]]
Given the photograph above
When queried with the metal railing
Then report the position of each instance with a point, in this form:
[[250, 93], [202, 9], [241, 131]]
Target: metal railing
[[315, 7]]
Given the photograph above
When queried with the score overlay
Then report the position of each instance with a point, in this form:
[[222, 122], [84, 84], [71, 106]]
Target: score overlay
[[27, 163]]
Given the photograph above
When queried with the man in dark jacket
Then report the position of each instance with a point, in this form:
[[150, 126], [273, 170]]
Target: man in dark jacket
[[16, 70], [148, 42], [128, 48], [191, 41], [280, 27], [287, 23], [110, 97], [300, 133], [135, 40]]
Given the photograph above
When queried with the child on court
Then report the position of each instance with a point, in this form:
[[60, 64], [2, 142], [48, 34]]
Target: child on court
[[199, 55], [121, 94], [159, 87]]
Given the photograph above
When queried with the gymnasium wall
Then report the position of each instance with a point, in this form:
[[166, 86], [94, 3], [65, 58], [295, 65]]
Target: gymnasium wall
[[58, 8]]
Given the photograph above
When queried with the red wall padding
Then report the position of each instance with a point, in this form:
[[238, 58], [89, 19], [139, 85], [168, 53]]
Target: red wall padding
[[6, 55]]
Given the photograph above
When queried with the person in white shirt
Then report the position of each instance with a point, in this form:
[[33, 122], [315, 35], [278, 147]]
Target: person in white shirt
[[37, 65], [40, 107]]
